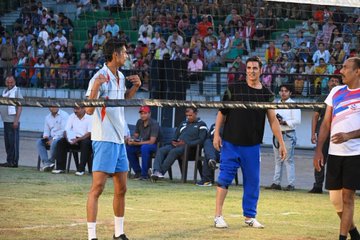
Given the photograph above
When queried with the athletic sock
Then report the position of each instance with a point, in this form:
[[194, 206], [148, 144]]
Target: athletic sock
[[91, 230], [341, 237], [354, 233], [119, 225]]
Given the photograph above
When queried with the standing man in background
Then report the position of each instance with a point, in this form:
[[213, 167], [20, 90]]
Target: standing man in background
[[107, 134], [342, 123], [11, 118], [288, 119], [316, 121]]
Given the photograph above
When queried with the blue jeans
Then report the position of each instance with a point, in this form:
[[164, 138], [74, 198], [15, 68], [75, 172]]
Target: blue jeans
[[11, 139], [146, 150], [290, 142], [42, 151]]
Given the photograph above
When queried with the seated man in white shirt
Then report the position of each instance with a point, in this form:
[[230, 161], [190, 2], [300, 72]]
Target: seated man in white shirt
[[76, 136], [54, 129]]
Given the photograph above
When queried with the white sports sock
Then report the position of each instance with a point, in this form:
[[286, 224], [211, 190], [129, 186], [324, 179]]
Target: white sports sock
[[91, 230], [119, 225]]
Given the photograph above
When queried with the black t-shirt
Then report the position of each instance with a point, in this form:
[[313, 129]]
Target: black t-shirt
[[245, 126], [321, 112]]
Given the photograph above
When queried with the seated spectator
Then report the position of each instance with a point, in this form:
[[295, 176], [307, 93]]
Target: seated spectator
[[156, 39], [99, 38], [38, 74], [321, 69], [76, 136], [272, 52], [321, 53], [80, 73], [185, 51], [184, 27], [175, 37], [123, 36], [204, 25], [236, 48], [287, 51], [210, 57], [338, 53], [327, 31], [260, 34], [146, 27], [114, 6], [20, 69], [144, 141], [210, 36], [64, 73], [336, 36], [192, 131], [270, 23], [249, 33], [303, 52], [54, 128], [212, 157], [145, 39], [233, 16], [195, 66], [269, 74], [60, 38], [223, 45], [112, 27], [159, 54], [83, 6], [299, 40]]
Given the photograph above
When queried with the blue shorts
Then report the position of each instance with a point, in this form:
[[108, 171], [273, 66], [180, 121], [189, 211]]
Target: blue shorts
[[109, 157]]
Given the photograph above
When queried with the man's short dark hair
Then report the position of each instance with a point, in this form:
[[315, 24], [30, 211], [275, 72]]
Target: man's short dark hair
[[254, 59], [111, 46], [287, 86], [194, 109]]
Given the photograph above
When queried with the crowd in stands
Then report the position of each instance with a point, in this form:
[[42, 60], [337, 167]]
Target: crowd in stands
[[219, 33]]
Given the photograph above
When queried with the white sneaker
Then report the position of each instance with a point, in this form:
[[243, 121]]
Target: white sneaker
[[219, 222], [56, 171], [79, 173], [157, 175], [252, 222]]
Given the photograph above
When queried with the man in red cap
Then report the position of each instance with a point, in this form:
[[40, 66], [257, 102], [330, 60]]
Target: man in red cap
[[144, 140]]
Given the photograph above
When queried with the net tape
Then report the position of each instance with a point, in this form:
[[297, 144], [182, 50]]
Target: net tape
[[67, 103]]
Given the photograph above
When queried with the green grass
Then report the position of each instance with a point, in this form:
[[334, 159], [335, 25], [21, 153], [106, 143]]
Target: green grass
[[38, 205]]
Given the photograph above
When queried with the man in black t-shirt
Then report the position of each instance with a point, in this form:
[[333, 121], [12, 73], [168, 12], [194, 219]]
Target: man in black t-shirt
[[240, 145]]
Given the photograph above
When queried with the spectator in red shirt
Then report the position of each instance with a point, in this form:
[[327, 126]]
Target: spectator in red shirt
[[203, 26]]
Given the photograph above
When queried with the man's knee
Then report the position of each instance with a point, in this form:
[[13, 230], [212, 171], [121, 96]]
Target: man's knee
[[121, 191], [348, 197], [96, 190]]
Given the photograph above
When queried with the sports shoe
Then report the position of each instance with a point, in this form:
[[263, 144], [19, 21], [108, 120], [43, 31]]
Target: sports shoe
[[137, 176], [121, 237], [252, 222], [219, 222], [274, 187], [157, 175], [57, 171], [204, 184], [212, 164], [79, 173], [316, 190], [289, 188], [48, 168]]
